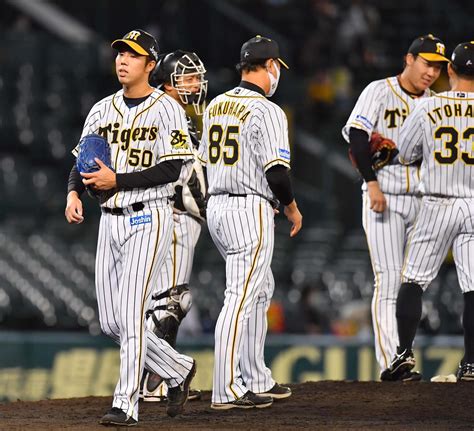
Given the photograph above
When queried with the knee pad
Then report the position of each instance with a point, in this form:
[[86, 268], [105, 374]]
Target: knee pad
[[179, 301]]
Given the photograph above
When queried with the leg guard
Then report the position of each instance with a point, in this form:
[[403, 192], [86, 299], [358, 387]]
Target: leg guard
[[178, 304]]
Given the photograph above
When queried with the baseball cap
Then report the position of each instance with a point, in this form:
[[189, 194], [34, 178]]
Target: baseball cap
[[462, 58], [140, 41], [428, 47], [260, 48]]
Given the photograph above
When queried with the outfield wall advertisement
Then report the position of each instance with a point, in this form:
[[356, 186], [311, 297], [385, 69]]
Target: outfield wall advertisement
[[37, 366]]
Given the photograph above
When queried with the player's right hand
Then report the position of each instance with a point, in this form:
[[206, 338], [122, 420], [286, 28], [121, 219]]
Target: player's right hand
[[378, 203], [294, 216], [73, 210]]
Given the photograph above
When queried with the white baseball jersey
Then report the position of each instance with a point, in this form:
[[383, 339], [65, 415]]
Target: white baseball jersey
[[140, 137], [441, 132], [244, 135], [382, 107], [133, 243]]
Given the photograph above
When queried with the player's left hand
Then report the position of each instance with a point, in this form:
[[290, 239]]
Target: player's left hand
[[101, 180]]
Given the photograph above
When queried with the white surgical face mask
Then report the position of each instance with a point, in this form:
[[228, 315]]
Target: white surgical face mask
[[273, 81]]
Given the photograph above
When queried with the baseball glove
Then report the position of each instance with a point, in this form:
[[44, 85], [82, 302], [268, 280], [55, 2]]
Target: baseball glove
[[91, 147], [382, 150]]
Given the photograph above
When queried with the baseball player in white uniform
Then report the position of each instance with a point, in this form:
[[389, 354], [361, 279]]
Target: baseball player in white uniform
[[181, 75], [148, 137], [245, 149], [440, 132], [390, 195]]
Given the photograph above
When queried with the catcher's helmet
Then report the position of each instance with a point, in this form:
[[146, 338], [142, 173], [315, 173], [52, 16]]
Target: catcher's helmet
[[175, 69]]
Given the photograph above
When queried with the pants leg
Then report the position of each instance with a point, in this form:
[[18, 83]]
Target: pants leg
[[243, 231], [386, 237], [142, 250], [255, 374]]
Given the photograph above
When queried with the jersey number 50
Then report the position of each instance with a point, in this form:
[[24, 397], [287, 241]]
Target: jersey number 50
[[229, 151], [452, 145]]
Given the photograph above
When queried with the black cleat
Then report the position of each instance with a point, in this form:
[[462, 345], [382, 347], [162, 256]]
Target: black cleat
[[247, 401], [194, 395], [178, 395], [465, 372], [402, 364], [278, 392], [411, 376], [118, 418]]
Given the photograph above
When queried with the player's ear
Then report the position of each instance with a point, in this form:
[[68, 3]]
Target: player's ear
[[450, 70], [150, 66], [409, 59]]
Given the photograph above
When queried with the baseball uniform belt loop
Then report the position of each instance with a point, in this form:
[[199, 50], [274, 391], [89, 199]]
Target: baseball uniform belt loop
[[137, 206]]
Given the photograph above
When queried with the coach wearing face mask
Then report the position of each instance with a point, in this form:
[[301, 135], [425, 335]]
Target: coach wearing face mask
[[247, 155]]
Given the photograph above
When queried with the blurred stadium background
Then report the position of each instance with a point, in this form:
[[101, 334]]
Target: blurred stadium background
[[55, 62]]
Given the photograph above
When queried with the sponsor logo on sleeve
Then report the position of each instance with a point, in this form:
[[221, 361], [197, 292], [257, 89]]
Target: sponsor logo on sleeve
[[141, 219], [284, 153], [364, 121]]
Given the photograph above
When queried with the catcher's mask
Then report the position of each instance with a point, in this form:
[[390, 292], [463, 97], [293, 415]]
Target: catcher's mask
[[185, 72]]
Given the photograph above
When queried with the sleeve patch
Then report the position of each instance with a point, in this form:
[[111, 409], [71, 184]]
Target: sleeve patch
[[284, 153], [179, 140], [364, 121]]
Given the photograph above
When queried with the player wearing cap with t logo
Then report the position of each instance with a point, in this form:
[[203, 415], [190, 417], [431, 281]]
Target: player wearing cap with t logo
[[141, 125], [440, 132], [391, 194]]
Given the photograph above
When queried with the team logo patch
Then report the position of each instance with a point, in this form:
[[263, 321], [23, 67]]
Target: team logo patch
[[142, 219], [179, 139], [284, 153], [364, 121]]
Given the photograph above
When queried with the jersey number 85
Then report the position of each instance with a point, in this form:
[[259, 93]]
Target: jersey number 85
[[223, 143]]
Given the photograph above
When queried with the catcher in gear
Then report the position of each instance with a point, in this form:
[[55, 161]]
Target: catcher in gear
[[180, 74]]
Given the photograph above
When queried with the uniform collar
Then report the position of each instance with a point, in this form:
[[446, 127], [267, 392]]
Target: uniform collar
[[252, 87]]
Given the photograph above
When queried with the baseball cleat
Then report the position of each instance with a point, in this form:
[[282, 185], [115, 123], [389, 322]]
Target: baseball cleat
[[277, 392], [178, 395], [465, 372], [247, 401], [402, 363], [411, 376], [116, 417]]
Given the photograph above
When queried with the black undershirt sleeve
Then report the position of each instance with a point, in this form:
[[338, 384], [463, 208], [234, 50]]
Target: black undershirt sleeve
[[75, 181], [280, 184], [162, 173], [359, 145]]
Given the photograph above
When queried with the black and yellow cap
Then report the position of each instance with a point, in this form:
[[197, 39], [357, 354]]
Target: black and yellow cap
[[429, 47], [140, 41], [260, 48], [462, 58]]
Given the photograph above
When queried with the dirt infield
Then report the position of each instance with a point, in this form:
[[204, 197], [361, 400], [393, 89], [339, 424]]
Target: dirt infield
[[321, 405]]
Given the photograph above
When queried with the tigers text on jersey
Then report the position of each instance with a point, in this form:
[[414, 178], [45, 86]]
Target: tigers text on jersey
[[140, 137], [441, 131], [244, 135], [382, 107]]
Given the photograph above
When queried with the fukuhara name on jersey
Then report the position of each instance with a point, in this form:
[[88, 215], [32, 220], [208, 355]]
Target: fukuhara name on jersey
[[441, 132], [382, 107], [140, 137], [244, 135]]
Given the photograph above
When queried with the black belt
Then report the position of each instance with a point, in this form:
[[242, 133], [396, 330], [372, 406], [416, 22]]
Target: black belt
[[137, 206], [236, 195]]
